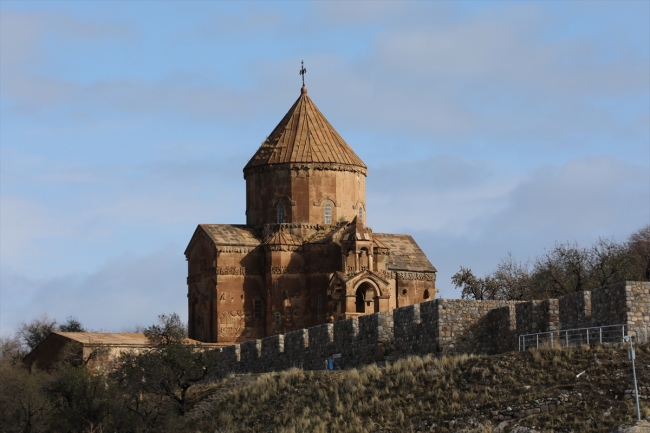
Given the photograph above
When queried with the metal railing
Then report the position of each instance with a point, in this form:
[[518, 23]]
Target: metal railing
[[611, 334]]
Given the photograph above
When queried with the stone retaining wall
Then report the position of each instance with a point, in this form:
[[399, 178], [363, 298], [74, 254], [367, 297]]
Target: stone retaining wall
[[438, 327]]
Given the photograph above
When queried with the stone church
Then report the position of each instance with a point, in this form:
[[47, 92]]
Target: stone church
[[305, 256]]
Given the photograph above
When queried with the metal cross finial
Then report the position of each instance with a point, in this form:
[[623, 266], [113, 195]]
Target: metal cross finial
[[302, 72]]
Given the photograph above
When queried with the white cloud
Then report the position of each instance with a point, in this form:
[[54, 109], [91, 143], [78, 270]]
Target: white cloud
[[585, 198], [411, 85], [580, 201], [124, 292], [26, 225], [443, 193], [22, 40], [490, 75]]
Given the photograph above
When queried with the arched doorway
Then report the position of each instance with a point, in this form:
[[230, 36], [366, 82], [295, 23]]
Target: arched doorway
[[366, 294]]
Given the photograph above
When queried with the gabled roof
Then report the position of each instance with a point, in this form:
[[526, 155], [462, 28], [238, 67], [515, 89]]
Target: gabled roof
[[230, 234], [225, 234], [304, 136], [405, 254], [113, 339], [106, 338], [379, 244], [356, 230]]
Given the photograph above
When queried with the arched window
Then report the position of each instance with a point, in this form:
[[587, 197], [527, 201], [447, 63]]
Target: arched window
[[280, 213], [277, 318], [360, 214], [328, 214]]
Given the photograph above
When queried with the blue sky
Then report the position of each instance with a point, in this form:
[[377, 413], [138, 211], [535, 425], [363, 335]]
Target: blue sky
[[488, 128]]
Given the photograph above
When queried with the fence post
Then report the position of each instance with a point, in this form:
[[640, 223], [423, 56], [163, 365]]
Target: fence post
[[537, 340], [551, 340], [587, 336], [600, 332], [566, 338]]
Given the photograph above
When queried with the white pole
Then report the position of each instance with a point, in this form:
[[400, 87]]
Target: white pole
[[551, 340], [636, 389]]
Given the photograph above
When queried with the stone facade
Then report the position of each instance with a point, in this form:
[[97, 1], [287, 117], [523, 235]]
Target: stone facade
[[438, 327], [305, 256], [97, 349]]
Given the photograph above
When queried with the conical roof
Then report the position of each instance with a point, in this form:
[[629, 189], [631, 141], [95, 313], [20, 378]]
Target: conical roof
[[304, 136], [356, 230]]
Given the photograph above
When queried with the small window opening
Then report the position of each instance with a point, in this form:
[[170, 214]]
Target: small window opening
[[328, 214], [277, 318], [275, 284], [360, 214], [257, 310], [320, 304], [360, 304], [280, 213]]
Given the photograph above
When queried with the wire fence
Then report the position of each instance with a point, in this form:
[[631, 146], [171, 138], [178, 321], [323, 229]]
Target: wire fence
[[611, 334]]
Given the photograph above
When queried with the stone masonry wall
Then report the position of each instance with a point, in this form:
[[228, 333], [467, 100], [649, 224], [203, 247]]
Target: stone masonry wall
[[360, 341], [439, 327], [609, 305], [575, 311], [467, 326], [637, 302], [538, 316]]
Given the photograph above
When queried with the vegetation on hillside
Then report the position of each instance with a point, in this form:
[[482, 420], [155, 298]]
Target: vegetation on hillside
[[587, 386], [459, 394], [30, 334], [566, 268], [145, 392], [169, 388]]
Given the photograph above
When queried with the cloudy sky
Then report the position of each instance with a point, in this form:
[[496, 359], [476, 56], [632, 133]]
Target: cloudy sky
[[487, 127]]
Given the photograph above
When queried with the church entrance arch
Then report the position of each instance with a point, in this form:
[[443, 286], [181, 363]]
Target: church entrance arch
[[365, 301]]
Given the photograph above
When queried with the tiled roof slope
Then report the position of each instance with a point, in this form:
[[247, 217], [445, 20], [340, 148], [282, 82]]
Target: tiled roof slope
[[112, 338], [230, 234], [304, 135], [282, 238], [356, 230], [106, 338], [405, 254]]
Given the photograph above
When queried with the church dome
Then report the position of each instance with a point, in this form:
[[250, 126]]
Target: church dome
[[304, 136], [304, 173]]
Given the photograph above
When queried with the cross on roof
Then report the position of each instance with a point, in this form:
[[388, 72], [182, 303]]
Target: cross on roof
[[302, 72]]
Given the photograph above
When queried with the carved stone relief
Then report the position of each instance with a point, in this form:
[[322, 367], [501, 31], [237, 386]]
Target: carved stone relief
[[420, 276], [237, 270]]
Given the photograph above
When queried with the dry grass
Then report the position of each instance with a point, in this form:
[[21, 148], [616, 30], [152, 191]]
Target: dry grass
[[414, 393]]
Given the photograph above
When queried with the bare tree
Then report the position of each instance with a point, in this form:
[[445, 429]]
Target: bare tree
[[609, 262], [638, 245], [514, 279], [473, 287], [72, 324], [31, 334], [565, 269]]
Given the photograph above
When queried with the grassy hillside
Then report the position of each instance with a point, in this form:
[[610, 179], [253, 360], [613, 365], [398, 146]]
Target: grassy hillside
[[471, 394]]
